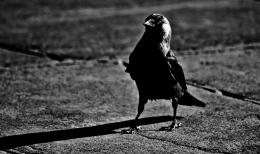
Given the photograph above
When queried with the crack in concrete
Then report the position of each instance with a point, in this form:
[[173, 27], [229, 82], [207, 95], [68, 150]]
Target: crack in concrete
[[185, 145], [40, 52], [219, 49]]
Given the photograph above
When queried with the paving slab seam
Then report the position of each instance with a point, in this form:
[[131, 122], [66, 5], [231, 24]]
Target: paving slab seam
[[60, 58], [184, 145], [222, 92]]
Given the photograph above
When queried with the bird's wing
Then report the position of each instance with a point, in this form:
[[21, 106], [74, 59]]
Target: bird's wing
[[176, 70], [151, 65], [134, 60]]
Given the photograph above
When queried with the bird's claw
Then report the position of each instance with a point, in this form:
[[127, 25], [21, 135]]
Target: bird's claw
[[130, 130], [171, 127]]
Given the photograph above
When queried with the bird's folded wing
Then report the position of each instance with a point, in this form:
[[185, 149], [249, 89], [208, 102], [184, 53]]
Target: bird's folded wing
[[177, 70]]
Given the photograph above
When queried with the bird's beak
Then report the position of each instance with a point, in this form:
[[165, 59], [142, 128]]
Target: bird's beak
[[150, 23]]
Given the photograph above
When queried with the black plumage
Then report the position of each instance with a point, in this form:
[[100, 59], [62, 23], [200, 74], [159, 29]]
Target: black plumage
[[156, 70]]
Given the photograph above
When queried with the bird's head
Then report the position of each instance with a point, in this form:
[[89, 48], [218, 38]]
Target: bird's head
[[155, 20], [158, 24]]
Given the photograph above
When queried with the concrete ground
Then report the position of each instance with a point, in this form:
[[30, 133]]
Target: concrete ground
[[81, 107]]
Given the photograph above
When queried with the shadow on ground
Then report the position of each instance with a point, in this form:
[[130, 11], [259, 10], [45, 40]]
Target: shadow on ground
[[10, 142]]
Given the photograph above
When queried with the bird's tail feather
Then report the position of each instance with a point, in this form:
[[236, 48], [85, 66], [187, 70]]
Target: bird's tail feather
[[190, 100]]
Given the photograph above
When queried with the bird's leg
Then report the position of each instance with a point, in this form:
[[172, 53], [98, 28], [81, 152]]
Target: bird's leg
[[174, 124], [133, 127]]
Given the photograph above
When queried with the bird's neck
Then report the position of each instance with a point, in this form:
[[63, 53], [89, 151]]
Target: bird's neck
[[159, 38], [165, 46], [166, 38], [167, 31]]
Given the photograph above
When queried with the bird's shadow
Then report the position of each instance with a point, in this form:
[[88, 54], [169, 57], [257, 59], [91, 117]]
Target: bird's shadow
[[9, 142]]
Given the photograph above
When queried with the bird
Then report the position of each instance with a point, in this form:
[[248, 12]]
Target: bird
[[156, 71]]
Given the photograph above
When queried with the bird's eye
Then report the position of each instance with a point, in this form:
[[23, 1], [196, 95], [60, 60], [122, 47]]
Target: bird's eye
[[150, 22]]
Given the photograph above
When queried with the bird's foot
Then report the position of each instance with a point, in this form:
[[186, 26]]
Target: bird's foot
[[130, 130], [171, 127]]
